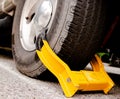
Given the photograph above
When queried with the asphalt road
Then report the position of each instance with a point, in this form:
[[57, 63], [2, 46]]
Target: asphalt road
[[14, 85]]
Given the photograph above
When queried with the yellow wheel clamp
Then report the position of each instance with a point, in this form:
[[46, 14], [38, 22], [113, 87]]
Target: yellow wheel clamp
[[72, 81]]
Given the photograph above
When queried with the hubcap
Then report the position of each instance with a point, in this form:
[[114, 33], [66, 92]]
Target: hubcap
[[37, 18]]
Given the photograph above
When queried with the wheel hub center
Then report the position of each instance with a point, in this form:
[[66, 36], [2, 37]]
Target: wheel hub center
[[38, 18]]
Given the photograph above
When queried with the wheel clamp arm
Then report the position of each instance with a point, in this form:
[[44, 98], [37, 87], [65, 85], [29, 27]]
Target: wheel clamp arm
[[72, 81]]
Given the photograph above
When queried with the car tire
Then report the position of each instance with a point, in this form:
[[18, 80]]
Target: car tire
[[75, 33]]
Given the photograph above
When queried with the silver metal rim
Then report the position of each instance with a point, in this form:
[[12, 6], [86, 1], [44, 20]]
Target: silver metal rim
[[36, 15]]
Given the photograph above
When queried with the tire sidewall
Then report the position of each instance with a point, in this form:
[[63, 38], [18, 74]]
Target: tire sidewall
[[25, 61]]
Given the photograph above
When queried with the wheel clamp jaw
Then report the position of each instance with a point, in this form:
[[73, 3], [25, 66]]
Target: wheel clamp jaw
[[72, 81]]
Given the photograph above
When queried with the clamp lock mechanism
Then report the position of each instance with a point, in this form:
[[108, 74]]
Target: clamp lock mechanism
[[72, 81]]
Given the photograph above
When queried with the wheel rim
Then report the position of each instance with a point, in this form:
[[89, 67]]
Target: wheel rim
[[33, 20]]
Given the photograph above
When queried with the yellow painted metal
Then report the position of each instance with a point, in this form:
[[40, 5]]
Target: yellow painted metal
[[72, 81]]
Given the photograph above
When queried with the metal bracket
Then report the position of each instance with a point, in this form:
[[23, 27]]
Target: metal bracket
[[41, 35], [72, 81]]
